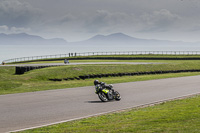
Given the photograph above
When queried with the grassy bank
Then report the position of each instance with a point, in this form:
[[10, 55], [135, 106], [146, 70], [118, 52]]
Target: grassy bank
[[180, 116], [37, 80], [71, 71]]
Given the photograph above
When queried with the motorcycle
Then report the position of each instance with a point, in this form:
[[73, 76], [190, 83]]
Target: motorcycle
[[107, 94]]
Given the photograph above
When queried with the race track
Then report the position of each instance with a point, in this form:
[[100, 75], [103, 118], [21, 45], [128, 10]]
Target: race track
[[82, 63], [27, 110]]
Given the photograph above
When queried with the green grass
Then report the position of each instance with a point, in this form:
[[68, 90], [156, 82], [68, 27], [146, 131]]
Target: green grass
[[179, 116], [71, 71], [38, 80], [175, 116], [23, 85]]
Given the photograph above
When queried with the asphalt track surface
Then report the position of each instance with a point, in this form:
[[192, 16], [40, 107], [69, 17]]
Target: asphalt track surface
[[35, 109], [86, 63]]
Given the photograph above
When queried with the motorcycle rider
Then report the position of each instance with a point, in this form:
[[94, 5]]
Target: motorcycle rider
[[102, 85]]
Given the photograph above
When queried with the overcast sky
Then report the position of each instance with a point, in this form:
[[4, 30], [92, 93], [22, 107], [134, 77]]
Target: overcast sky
[[76, 20]]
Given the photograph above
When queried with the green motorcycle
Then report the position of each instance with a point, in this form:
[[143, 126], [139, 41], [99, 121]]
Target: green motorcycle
[[107, 93]]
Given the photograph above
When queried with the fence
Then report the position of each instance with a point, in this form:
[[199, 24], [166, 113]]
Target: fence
[[102, 53]]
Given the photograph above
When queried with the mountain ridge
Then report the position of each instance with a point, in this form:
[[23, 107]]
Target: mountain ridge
[[115, 38], [121, 38], [24, 38], [112, 37]]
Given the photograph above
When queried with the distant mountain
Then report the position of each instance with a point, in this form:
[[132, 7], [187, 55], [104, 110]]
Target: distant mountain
[[26, 39], [113, 37], [120, 38]]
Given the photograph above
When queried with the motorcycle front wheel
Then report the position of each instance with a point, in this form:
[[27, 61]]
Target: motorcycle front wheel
[[117, 96], [102, 97]]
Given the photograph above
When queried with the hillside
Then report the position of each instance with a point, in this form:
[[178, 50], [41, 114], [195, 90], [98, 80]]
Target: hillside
[[120, 38], [26, 39]]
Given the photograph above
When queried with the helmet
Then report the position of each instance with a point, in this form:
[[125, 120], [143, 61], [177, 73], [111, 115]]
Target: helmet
[[102, 83], [111, 86], [96, 82]]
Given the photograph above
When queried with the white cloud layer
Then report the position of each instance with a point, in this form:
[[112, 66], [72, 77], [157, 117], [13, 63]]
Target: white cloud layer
[[12, 30]]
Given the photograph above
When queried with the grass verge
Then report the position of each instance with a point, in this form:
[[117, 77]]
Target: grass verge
[[10, 87], [38, 80], [180, 116]]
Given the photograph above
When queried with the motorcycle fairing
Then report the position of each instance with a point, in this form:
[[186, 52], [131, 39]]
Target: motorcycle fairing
[[105, 91]]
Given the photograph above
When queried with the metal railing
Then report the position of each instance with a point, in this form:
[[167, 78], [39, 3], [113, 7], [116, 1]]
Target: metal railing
[[21, 59]]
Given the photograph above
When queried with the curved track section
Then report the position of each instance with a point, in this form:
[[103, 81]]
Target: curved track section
[[35, 109]]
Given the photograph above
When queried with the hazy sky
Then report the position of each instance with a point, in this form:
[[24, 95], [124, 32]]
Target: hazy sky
[[81, 19]]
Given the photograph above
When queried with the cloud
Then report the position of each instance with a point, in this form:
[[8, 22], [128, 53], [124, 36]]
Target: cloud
[[92, 22], [7, 30], [106, 22], [162, 20], [103, 20], [4, 29], [85, 18], [19, 30], [67, 18], [16, 13]]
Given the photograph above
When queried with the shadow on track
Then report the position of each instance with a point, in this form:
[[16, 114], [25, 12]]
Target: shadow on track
[[94, 101]]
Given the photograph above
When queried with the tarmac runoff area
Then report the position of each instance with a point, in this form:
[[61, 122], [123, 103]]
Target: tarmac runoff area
[[87, 63], [36, 109]]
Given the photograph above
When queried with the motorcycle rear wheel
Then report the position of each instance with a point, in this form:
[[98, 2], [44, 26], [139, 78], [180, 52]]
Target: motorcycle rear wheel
[[117, 96], [102, 97]]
